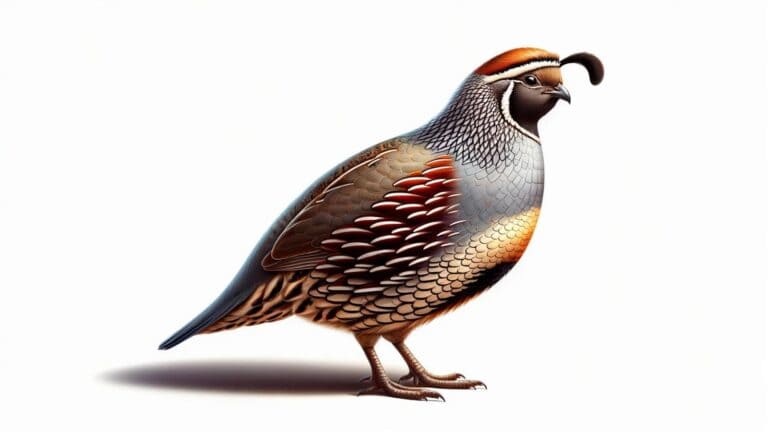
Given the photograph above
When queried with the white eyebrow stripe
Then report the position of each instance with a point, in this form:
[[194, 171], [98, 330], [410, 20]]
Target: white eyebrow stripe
[[523, 68]]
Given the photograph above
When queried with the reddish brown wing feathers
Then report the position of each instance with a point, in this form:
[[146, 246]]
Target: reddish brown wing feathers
[[404, 229], [351, 194], [370, 260], [297, 248]]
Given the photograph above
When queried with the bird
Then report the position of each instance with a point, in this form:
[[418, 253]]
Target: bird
[[412, 227]]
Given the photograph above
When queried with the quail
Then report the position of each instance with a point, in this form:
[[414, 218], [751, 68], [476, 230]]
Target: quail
[[412, 227]]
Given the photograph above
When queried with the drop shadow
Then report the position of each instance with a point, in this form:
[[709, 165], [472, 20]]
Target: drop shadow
[[244, 377]]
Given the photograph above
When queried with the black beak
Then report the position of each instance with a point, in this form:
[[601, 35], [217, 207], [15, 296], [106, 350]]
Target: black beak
[[560, 92]]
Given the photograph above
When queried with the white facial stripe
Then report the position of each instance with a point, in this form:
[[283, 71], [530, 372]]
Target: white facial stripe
[[508, 115], [523, 68]]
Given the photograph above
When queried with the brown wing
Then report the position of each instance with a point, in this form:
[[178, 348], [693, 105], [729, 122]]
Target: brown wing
[[351, 194], [343, 200], [370, 225], [375, 267]]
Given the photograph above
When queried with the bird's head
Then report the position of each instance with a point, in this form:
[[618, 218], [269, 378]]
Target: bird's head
[[527, 83]]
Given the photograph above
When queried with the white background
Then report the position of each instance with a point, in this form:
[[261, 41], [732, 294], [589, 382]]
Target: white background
[[146, 145]]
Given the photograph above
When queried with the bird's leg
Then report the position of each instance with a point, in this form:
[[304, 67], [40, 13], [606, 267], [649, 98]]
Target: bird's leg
[[419, 376], [382, 384]]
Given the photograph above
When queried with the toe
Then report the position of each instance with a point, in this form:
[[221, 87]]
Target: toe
[[432, 396], [392, 389]]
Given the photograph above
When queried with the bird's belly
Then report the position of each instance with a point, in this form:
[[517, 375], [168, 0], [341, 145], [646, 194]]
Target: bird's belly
[[456, 276], [461, 268], [505, 240]]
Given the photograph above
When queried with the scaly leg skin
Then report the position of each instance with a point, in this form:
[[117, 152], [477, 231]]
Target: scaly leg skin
[[383, 385], [419, 376]]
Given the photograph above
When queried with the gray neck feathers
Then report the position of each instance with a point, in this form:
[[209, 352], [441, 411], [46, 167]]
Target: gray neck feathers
[[472, 129]]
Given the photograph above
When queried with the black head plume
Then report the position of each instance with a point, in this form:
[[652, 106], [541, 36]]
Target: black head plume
[[593, 65]]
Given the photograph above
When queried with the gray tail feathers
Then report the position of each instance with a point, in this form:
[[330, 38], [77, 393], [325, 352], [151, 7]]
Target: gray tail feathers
[[189, 330], [210, 315], [249, 276]]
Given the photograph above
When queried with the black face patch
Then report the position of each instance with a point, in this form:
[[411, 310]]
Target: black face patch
[[529, 104]]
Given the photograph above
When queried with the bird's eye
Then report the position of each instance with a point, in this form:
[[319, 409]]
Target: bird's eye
[[531, 80]]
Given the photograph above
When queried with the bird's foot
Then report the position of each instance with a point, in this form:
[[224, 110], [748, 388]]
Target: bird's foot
[[385, 387], [409, 378], [412, 379], [451, 381]]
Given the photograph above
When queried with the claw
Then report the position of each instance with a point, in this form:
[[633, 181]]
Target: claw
[[366, 379], [439, 397]]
